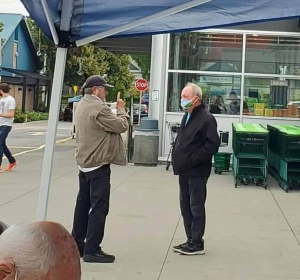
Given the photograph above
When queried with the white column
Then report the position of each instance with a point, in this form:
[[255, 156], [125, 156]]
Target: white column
[[57, 86], [158, 80]]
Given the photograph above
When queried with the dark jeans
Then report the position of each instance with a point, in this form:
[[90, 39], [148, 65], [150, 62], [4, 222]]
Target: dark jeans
[[192, 204], [91, 209], [4, 131]]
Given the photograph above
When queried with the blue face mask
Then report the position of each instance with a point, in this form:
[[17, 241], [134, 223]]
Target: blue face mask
[[186, 103]]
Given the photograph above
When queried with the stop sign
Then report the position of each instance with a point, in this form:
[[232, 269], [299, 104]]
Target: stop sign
[[141, 85]]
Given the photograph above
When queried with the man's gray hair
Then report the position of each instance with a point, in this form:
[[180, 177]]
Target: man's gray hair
[[88, 90], [197, 91], [30, 249]]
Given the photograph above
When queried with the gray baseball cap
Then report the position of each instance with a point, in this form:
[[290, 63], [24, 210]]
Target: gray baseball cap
[[95, 81]]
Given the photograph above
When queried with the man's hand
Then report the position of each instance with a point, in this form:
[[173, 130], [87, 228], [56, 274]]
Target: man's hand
[[120, 102]]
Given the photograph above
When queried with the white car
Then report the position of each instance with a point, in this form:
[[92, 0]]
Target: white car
[[295, 103]]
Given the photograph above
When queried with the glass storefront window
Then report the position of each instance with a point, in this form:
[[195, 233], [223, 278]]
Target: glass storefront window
[[272, 97], [217, 52], [221, 94], [272, 55]]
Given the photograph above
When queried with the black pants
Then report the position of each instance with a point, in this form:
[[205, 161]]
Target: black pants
[[91, 209], [4, 131], [192, 204]]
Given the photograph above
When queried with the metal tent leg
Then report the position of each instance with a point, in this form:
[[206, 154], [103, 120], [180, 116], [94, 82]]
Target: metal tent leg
[[60, 64]]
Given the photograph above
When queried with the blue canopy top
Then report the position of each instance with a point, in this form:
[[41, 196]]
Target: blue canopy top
[[90, 17]]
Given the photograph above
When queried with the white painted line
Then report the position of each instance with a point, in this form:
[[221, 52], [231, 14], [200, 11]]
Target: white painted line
[[40, 147]]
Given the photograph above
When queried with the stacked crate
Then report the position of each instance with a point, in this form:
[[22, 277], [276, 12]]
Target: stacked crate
[[284, 155], [250, 147]]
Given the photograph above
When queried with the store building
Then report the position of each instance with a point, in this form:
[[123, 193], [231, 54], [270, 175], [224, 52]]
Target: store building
[[249, 74]]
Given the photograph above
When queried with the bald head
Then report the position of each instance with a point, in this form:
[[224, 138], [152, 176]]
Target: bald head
[[38, 251]]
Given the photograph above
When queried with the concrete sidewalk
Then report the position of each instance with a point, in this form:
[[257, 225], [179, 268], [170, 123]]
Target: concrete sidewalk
[[252, 233]]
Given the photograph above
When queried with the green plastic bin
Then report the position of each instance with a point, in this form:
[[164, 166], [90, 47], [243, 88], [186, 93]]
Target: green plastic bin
[[285, 141], [222, 162], [250, 140]]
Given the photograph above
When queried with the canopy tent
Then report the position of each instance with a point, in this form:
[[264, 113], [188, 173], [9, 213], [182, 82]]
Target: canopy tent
[[75, 22]]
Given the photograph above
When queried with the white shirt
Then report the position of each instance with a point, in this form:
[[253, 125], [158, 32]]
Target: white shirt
[[88, 169], [6, 104]]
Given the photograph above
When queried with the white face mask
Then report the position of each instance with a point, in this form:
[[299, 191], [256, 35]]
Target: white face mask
[[186, 104]]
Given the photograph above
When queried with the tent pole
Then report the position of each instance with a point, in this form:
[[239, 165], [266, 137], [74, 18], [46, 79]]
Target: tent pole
[[168, 12], [57, 87], [50, 22]]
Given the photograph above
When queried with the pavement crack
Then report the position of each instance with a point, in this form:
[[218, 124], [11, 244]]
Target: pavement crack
[[117, 187], [298, 241], [166, 257]]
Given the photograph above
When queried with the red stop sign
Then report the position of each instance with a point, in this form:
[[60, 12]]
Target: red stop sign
[[141, 85]]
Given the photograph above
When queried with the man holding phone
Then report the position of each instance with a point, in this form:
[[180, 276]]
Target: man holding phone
[[99, 144]]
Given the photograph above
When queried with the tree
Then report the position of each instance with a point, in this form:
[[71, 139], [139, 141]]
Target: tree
[[144, 62], [91, 60], [86, 61], [44, 46], [1, 29]]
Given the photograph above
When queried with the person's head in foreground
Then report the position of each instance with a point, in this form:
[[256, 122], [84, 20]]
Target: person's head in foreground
[[38, 251], [191, 97]]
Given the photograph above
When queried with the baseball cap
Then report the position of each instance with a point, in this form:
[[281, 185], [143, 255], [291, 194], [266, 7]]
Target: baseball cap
[[96, 81]]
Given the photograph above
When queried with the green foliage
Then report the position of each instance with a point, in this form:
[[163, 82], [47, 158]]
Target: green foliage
[[29, 116], [19, 116], [33, 116], [42, 107], [44, 45], [92, 60], [95, 61], [144, 62], [1, 29]]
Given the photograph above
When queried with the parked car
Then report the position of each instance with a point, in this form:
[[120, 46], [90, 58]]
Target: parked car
[[145, 99], [295, 103], [144, 112], [75, 98]]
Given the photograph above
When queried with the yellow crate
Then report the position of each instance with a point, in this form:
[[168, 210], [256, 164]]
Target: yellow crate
[[269, 112], [259, 112], [259, 106]]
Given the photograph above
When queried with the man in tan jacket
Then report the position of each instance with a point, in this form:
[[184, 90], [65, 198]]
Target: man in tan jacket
[[99, 144]]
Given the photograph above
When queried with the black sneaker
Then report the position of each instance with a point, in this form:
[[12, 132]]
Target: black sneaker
[[99, 257], [192, 249], [181, 246]]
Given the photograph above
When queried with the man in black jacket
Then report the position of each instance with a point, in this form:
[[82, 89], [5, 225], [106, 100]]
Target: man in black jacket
[[195, 145]]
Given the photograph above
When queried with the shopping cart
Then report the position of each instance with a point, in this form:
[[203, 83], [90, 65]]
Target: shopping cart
[[221, 159], [250, 149], [173, 130]]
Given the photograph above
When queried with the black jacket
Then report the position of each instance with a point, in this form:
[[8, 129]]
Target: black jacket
[[196, 143]]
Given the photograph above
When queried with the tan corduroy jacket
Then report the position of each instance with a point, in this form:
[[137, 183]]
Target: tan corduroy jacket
[[98, 133]]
